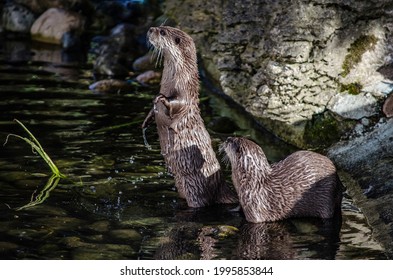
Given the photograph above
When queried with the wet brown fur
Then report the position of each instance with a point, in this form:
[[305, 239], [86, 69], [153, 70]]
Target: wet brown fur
[[184, 140], [305, 184]]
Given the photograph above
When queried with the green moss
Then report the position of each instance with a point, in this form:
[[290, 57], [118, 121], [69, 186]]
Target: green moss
[[325, 129], [353, 88], [356, 50]]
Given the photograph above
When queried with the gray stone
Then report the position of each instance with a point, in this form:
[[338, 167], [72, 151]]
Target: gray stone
[[381, 88], [353, 106], [368, 159], [365, 149], [17, 18]]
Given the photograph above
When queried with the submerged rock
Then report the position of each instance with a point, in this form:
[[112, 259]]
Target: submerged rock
[[7, 246], [149, 77], [144, 63], [126, 234], [110, 85], [100, 226]]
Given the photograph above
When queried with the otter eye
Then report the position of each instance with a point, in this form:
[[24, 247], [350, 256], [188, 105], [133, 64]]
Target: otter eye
[[162, 32], [177, 40]]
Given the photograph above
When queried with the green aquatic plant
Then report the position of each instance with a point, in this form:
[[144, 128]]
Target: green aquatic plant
[[36, 146], [44, 193], [52, 181]]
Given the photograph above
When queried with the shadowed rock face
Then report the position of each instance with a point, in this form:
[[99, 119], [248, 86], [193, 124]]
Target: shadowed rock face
[[369, 161], [285, 61]]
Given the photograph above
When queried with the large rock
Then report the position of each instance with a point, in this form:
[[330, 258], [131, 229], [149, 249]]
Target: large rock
[[16, 18], [369, 161], [284, 61], [51, 26]]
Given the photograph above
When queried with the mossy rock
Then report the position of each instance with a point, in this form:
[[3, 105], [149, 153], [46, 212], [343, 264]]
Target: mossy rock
[[353, 88], [356, 51], [325, 129]]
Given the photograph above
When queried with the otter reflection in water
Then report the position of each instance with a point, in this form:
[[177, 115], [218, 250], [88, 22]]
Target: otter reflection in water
[[305, 184], [184, 140], [289, 239]]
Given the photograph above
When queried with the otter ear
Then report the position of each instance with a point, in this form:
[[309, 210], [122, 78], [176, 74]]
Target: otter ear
[[177, 40]]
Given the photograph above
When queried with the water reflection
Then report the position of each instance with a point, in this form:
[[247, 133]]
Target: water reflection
[[118, 202]]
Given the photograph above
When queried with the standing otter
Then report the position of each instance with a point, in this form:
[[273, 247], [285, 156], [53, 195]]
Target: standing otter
[[184, 140], [305, 184]]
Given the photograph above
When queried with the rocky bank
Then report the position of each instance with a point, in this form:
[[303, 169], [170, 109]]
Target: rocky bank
[[315, 73], [290, 62]]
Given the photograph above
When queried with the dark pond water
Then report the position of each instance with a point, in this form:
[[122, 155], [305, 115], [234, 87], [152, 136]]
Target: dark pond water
[[117, 201]]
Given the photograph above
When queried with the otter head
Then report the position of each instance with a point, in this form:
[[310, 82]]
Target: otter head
[[180, 60], [235, 148], [175, 45], [243, 153]]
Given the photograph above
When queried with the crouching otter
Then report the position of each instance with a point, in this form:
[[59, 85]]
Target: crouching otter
[[305, 184], [184, 140]]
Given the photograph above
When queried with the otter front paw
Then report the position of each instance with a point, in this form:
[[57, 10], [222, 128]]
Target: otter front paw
[[161, 98]]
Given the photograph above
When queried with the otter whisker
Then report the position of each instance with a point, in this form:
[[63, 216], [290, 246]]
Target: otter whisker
[[156, 55], [159, 58]]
